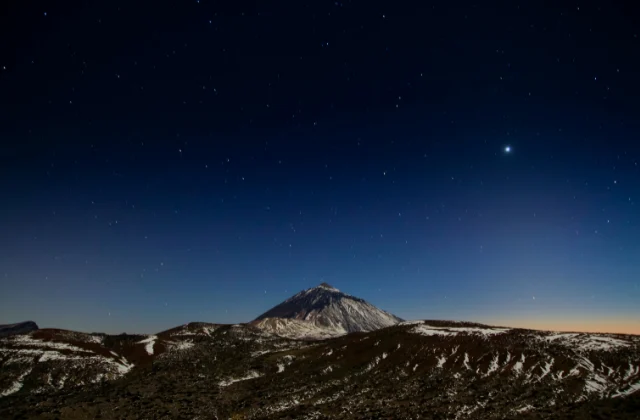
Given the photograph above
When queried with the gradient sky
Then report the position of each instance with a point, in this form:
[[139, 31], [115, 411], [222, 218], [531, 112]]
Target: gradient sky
[[202, 161]]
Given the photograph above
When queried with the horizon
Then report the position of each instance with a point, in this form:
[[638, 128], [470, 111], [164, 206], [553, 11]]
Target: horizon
[[625, 327], [513, 326]]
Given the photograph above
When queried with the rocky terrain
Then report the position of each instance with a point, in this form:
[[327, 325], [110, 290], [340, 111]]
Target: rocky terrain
[[417, 369]]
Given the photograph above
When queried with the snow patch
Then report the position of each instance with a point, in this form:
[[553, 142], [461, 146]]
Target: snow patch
[[587, 364], [17, 384], [123, 367], [250, 375], [467, 410], [178, 346], [96, 339], [546, 369], [574, 372], [494, 365], [630, 372], [466, 361], [609, 369], [519, 364], [506, 362], [62, 380], [371, 365], [596, 384], [208, 330], [54, 355], [149, 343], [525, 408], [283, 406], [632, 388]]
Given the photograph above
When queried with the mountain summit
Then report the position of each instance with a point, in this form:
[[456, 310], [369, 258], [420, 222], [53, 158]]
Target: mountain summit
[[327, 286], [324, 311]]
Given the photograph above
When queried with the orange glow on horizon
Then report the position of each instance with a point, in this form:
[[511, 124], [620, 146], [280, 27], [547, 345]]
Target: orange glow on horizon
[[613, 326]]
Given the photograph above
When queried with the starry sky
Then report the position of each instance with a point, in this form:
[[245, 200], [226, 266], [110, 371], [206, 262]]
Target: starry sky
[[167, 162]]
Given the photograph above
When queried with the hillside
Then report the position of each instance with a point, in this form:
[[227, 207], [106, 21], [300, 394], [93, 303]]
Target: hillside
[[418, 369]]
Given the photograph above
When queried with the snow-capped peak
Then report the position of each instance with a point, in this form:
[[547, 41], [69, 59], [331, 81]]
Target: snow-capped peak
[[327, 286], [327, 308]]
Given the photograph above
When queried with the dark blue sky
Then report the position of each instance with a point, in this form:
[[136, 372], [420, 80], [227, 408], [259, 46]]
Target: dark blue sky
[[184, 161]]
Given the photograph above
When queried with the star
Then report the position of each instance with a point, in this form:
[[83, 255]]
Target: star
[[507, 149]]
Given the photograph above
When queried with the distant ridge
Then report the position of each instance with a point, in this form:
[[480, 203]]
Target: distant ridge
[[18, 328]]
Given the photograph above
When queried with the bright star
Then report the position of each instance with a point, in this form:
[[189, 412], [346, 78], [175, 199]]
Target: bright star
[[507, 149]]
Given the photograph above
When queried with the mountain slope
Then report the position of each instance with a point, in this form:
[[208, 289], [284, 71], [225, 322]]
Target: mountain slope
[[449, 370], [326, 310], [295, 328]]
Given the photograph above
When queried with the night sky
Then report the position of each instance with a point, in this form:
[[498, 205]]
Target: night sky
[[175, 161]]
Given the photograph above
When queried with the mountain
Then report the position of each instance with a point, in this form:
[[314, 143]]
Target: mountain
[[416, 369], [323, 311], [19, 328]]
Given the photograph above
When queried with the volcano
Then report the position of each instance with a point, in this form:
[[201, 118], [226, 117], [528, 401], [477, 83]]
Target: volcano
[[323, 311]]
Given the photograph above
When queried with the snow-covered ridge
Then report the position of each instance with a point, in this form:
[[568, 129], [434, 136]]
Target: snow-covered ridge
[[584, 341], [415, 322], [425, 329], [28, 354], [29, 341], [577, 341]]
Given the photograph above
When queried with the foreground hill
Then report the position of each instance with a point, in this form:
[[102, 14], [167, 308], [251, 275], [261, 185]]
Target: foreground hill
[[420, 369]]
